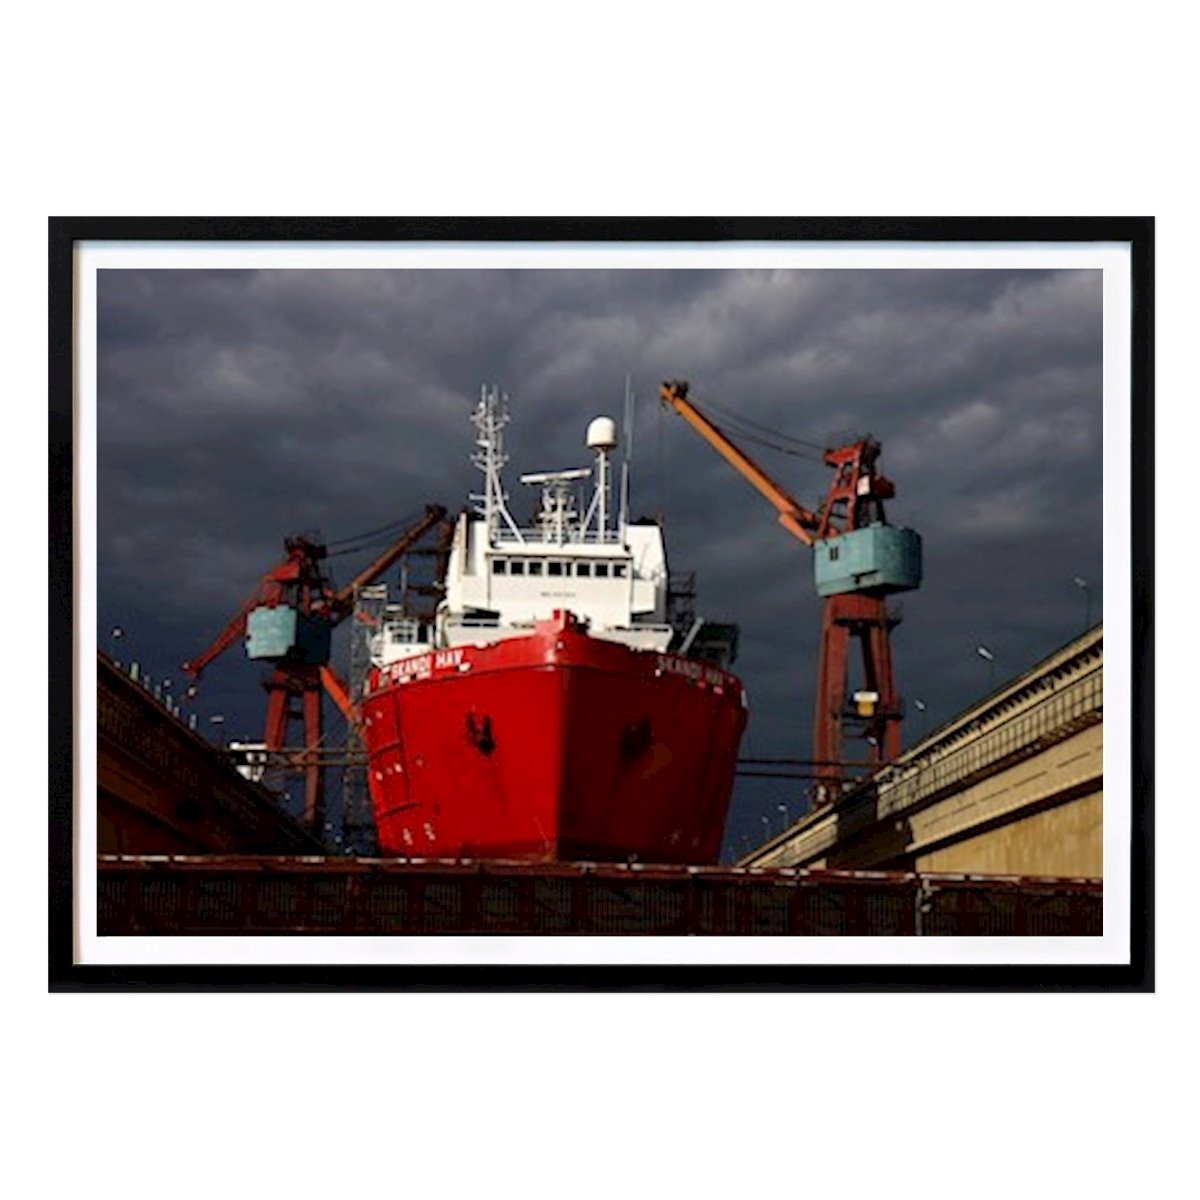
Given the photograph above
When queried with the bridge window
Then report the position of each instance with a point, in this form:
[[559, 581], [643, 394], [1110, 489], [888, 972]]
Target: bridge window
[[517, 566], [555, 567], [583, 569], [535, 567], [602, 570], [620, 570], [499, 566]]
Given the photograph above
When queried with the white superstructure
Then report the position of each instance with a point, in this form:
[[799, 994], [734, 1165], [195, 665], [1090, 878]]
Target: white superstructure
[[503, 576]]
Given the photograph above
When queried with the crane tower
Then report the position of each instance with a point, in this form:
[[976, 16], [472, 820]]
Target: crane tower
[[859, 560], [288, 622]]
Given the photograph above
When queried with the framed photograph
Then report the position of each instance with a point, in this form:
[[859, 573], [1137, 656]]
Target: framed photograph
[[598, 604]]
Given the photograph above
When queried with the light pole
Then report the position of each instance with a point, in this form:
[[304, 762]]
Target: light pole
[[922, 708], [766, 824], [782, 809], [1086, 588], [989, 658], [219, 722]]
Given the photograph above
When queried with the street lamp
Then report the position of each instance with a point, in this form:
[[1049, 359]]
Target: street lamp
[[219, 721], [989, 658], [782, 809], [1086, 588]]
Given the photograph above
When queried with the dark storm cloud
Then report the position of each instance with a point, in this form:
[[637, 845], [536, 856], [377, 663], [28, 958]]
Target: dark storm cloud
[[237, 406]]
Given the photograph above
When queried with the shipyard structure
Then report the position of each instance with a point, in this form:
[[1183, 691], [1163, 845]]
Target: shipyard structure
[[1012, 786], [548, 744]]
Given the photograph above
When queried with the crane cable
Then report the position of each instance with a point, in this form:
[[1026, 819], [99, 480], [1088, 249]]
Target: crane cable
[[746, 436], [371, 537], [812, 451], [764, 428], [753, 431], [407, 520]]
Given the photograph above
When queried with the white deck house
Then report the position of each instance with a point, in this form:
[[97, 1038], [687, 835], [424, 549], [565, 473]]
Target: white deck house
[[503, 577]]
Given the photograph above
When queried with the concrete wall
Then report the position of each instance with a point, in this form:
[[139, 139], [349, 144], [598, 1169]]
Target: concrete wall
[[1067, 840], [161, 789], [1003, 816]]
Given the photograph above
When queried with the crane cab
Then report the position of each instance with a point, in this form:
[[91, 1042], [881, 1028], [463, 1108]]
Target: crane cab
[[879, 558], [278, 632]]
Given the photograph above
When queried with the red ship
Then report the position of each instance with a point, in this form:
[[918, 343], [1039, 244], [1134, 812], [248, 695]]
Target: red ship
[[560, 706]]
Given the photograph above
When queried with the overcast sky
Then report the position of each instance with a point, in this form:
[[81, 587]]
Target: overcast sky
[[238, 406]]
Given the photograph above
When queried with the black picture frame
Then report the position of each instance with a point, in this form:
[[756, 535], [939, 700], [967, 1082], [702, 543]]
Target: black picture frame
[[65, 974]]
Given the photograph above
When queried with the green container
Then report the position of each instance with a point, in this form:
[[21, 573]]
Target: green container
[[282, 632], [880, 559]]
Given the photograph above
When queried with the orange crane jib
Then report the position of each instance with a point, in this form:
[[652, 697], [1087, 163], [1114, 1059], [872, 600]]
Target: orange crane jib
[[855, 478]]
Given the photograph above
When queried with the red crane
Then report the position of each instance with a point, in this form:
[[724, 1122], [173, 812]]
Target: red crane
[[288, 620], [860, 560]]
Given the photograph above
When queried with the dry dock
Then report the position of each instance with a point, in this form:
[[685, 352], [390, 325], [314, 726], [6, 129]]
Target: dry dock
[[990, 826]]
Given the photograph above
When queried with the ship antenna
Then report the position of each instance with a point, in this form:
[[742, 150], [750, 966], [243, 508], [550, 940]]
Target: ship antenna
[[630, 403], [490, 418], [602, 438]]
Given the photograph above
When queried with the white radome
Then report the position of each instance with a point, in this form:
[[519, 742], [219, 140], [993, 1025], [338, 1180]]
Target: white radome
[[602, 434]]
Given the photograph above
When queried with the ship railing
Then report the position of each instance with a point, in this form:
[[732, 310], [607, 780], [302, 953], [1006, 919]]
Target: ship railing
[[476, 622], [590, 537], [406, 630]]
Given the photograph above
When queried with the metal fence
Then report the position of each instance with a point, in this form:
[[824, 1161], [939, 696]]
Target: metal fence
[[1065, 711], [256, 895]]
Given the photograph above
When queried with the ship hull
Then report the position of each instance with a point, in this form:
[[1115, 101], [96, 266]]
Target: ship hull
[[553, 747]]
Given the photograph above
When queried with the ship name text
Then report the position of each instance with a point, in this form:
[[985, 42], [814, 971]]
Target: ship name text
[[422, 664], [671, 665]]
